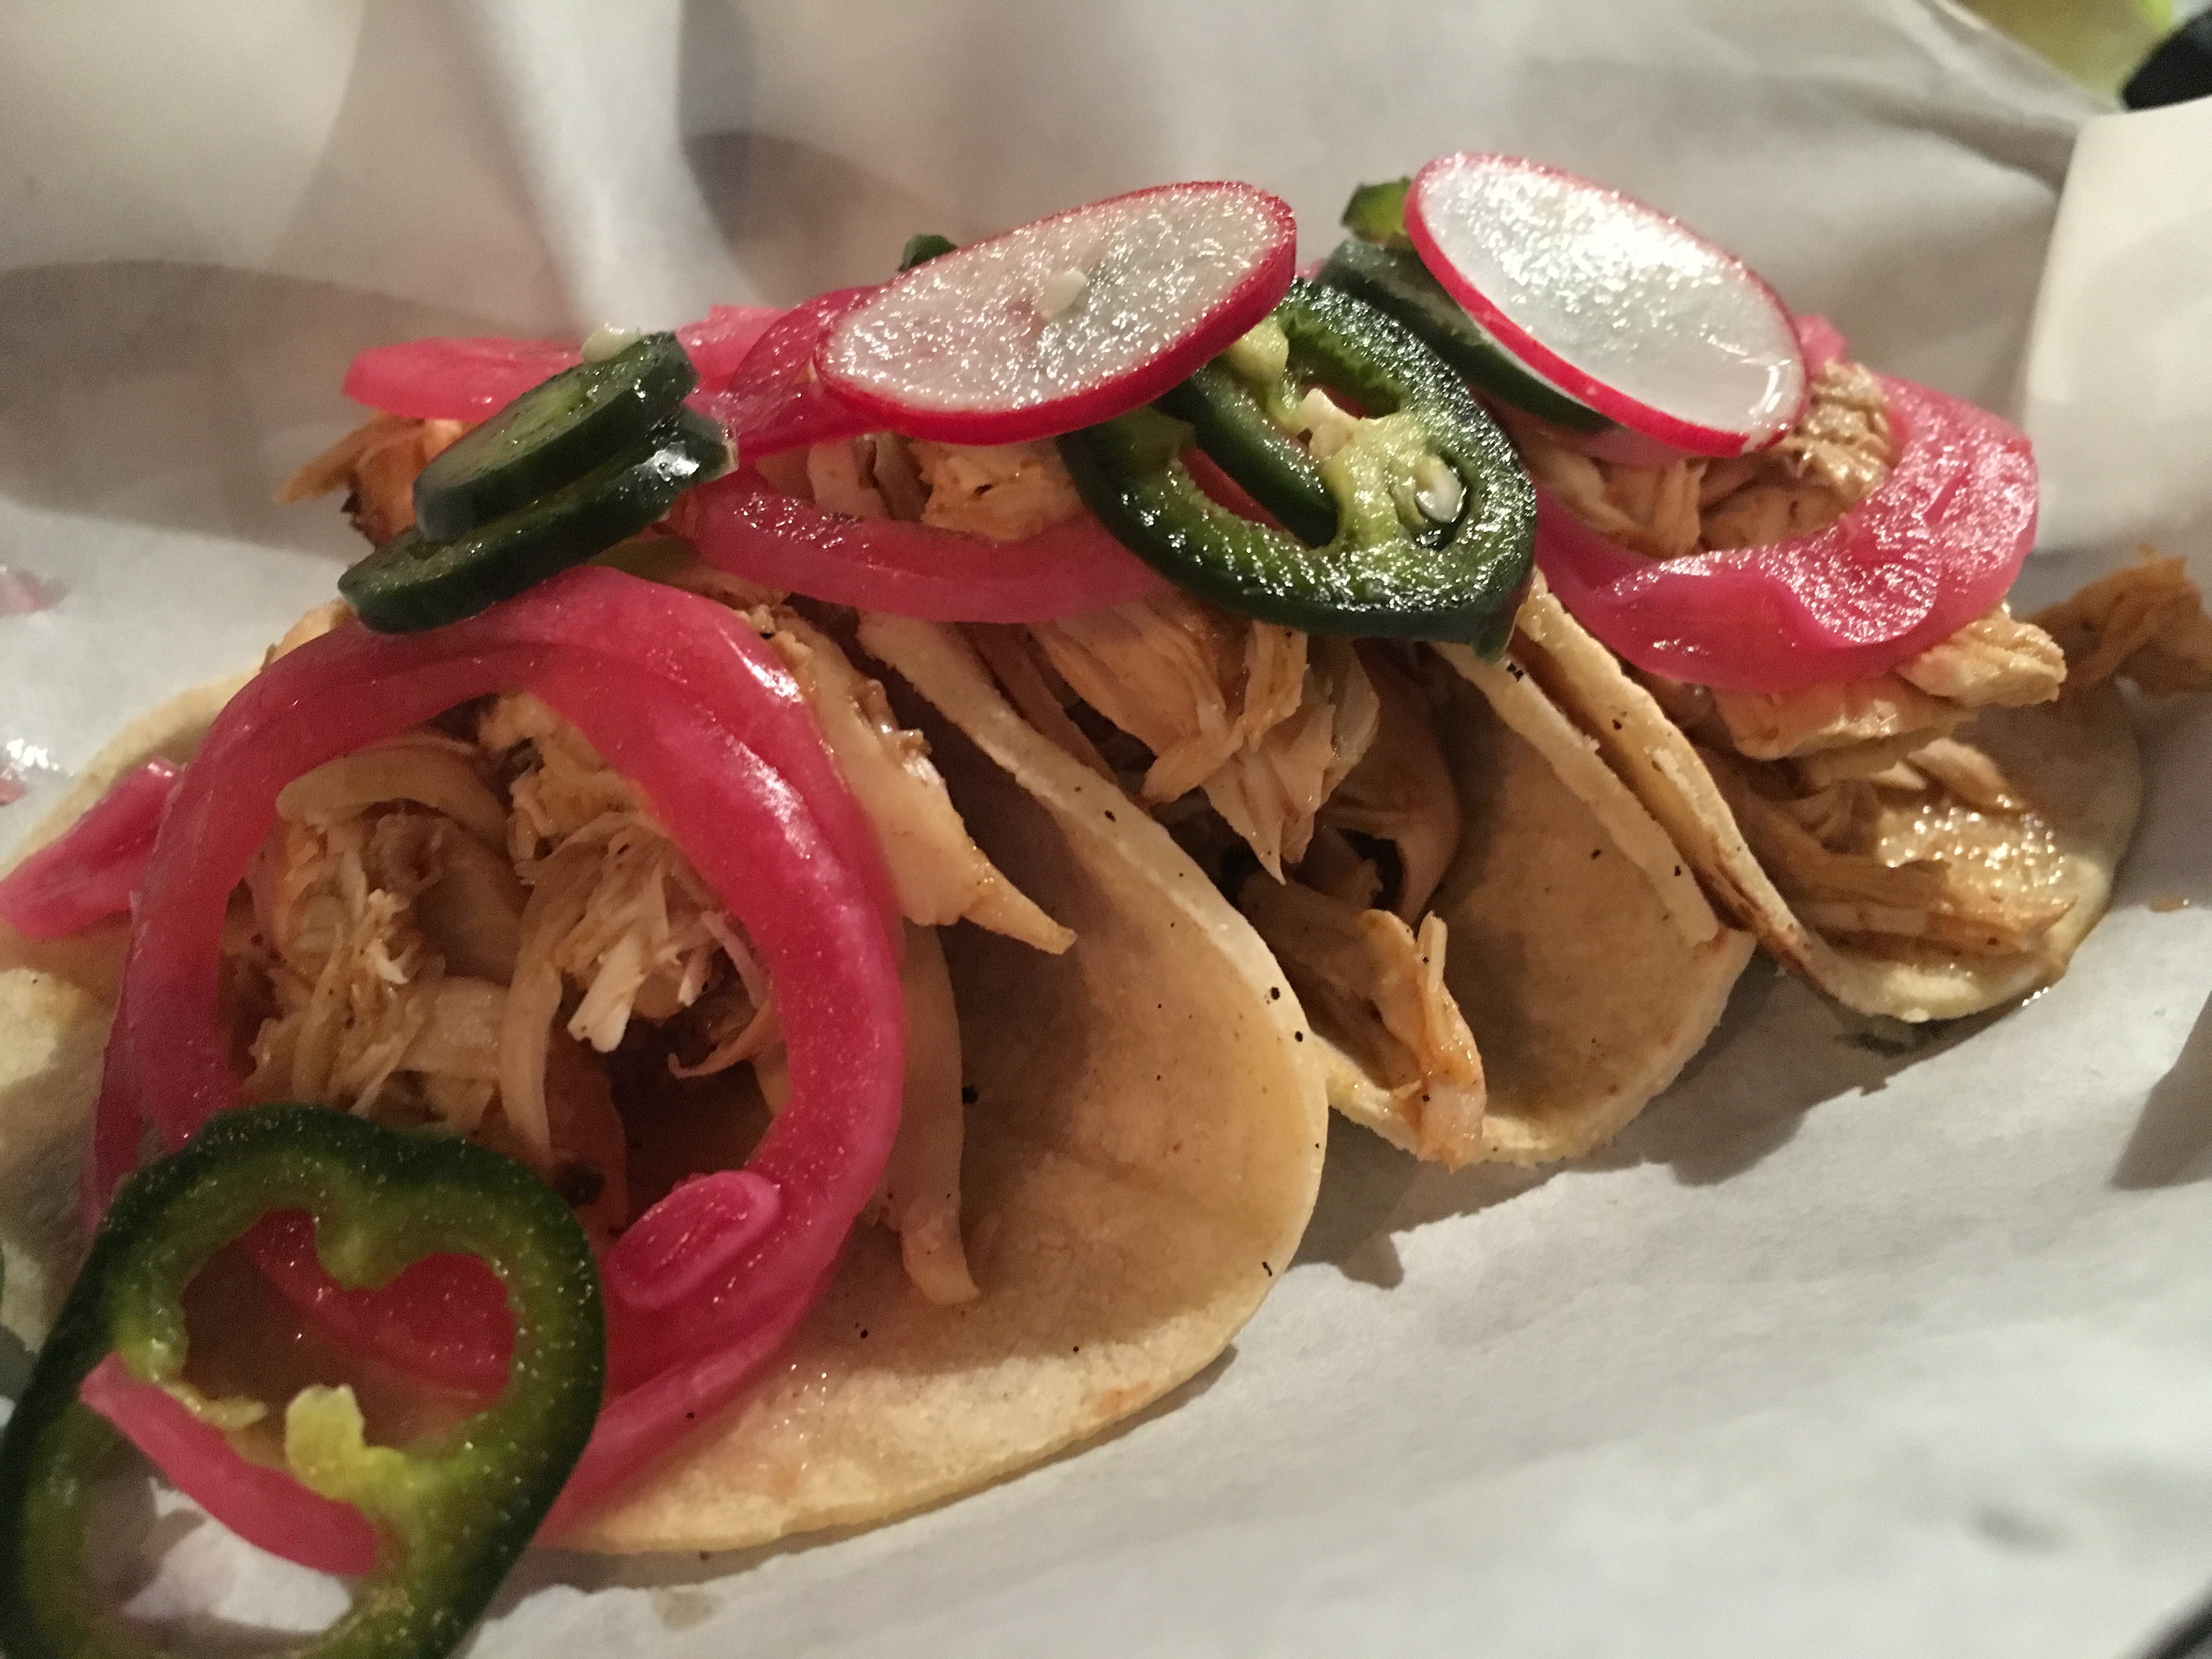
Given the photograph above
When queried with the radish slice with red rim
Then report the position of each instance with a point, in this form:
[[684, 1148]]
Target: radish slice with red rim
[[1065, 322], [1611, 302]]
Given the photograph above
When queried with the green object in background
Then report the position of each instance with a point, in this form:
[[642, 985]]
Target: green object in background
[[2098, 42]]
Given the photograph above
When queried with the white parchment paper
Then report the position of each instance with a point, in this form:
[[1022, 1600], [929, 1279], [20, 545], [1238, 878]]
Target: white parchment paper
[[1836, 1352]]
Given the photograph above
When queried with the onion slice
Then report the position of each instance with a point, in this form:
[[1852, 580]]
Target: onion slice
[[1611, 302], [86, 874], [772, 401], [265, 1506], [462, 379], [741, 525], [1933, 546], [467, 379], [724, 339], [1067, 321], [444, 1318]]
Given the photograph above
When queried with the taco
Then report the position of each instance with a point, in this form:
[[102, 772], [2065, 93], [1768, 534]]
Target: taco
[[1772, 594], [1058, 1239]]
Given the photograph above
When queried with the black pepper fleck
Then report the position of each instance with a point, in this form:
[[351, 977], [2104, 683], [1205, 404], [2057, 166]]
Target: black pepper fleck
[[968, 1094]]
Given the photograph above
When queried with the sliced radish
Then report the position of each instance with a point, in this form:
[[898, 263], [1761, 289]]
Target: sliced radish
[[1612, 302], [1065, 322]]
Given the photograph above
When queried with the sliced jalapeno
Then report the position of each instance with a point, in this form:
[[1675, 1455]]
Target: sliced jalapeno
[[1376, 213], [1436, 519], [413, 582], [923, 246], [451, 1517], [551, 435], [1234, 427]]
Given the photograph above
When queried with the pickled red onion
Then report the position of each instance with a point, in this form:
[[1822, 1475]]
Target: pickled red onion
[[743, 526], [772, 401], [468, 379], [723, 338], [458, 380], [1935, 545], [443, 1319], [1822, 342], [265, 1506], [86, 874]]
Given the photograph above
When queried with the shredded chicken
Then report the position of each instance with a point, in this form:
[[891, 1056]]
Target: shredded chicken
[[1827, 782], [838, 477], [1873, 757], [1375, 988], [1652, 511], [1770, 725], [428, 910], [1823, 851], [1967, 772], [1041, 697], [376, 463], [1401, 791], [614, 908], [1829, 462], [2146, 624], [351, 974], [425, 767], [1003, 493], [1265, 719], [1993, 661], [1834, 457], [920, 1195], [941, 875]]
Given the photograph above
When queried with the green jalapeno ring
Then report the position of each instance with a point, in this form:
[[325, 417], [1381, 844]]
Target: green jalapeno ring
[[1376, 213], [1227, 419], [451, 1517], [1374, 578]]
